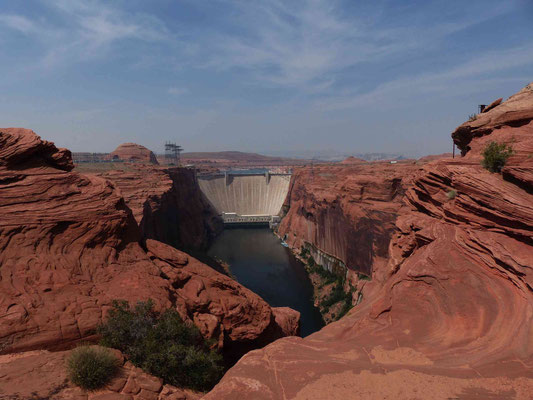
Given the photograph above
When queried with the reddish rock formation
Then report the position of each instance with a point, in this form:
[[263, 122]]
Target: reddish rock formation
[[434, 157], [515, 112], [42, 375], [133, 152], [69, 245], [450, 312], [352, 160], [495, 103], [167, 204], [347, 212]]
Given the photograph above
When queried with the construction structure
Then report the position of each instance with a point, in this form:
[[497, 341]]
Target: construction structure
[[172, 153], [246, 199]]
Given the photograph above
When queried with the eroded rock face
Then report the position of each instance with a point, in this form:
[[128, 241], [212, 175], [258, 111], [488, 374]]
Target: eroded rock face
[[69, 245], [515, 112], [450, 312], [133, 152], [168, 205], [347, 212], [42, 375]]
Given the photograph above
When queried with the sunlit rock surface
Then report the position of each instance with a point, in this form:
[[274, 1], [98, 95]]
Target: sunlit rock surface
[[449, 310]]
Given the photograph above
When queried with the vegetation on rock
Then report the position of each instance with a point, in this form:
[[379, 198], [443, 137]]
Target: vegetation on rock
[[91, 368], [451, 194], [495, 156], [336, 298], [162, 344]]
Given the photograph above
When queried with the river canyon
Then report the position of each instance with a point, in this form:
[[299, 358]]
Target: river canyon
[[436, 256]]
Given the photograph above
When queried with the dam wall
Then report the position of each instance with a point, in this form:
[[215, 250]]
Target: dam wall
[[251, 195]]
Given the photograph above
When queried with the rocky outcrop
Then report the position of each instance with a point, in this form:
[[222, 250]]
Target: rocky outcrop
[[449, 314], [515, 112], [346, 212], [352, 160], [133, 152], [168, 205], [42, 375], [69, 245]]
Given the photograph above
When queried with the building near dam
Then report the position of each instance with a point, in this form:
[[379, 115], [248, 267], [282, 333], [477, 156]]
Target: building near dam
[[246, 198]]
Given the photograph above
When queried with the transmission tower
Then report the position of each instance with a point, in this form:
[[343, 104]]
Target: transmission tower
[[172, 153]]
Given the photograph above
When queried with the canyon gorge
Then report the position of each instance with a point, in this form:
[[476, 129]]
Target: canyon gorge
[[437, 253]]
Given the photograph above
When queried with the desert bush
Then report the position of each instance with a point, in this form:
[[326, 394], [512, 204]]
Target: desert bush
[[162, 344], [495, 156], [91, 368], [363, 277], [451, 194], [472, 117]]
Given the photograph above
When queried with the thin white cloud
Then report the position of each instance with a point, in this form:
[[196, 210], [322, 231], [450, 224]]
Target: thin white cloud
[[463, 78], [307, 43], [86, 29], [176, 91], [17, 23]]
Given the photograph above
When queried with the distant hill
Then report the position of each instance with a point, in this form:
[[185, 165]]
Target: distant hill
[[229, 156]]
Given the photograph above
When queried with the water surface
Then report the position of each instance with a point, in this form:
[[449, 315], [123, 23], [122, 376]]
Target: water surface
[[259, 261]]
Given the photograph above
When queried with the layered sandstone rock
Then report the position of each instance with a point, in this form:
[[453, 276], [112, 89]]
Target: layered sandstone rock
[[42, 375], [167, 204], [450, 312], [69, 245], [347, 212], [133, 152], [515, 112]]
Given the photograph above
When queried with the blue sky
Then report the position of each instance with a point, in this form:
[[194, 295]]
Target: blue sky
[[265, 76]]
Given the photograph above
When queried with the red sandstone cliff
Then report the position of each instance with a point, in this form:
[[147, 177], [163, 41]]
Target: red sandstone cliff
[[348, 211], [449, 310], [133, 152], [167, 204], [69, 245]]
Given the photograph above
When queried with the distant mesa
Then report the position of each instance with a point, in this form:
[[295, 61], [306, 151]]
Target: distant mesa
[[353, 160], [133, 152]]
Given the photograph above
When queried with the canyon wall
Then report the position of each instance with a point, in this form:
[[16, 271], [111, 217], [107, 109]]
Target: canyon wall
[[346, 211], [449, 310], [168, 205], [69, 246]]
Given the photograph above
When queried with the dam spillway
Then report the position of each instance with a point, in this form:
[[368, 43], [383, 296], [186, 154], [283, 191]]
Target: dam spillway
[[246, 198]]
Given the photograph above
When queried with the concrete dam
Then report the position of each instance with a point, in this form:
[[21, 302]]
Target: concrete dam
[[246, 198]]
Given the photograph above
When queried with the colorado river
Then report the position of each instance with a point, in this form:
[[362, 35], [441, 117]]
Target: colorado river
[[259, 261]]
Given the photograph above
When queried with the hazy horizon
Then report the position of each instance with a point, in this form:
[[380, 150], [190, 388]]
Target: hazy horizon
[[269, 77]]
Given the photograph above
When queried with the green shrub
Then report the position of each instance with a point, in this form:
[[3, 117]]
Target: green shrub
[[336, 295], [347, 306], [91, 368], [363, 277], [472, 117], [162, 344], [495, 156], [451, 194]]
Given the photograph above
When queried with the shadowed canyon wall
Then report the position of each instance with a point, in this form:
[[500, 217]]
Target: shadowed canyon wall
[[168, 205]]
